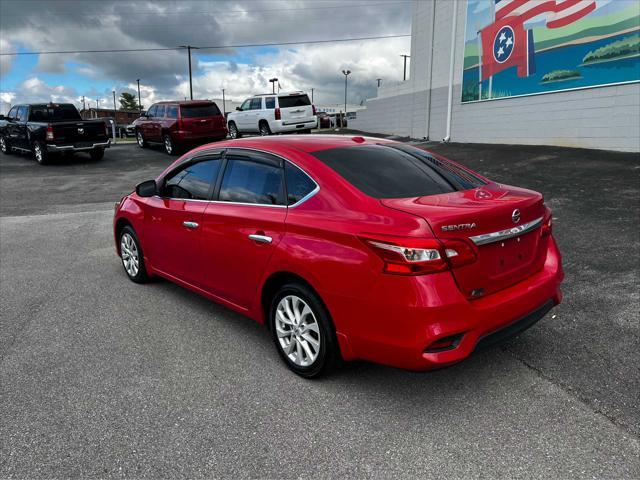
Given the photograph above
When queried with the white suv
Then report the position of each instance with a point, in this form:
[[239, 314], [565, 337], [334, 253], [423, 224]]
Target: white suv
[[273, 113]]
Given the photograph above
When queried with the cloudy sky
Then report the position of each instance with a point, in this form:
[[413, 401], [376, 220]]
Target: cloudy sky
[[34, 25]]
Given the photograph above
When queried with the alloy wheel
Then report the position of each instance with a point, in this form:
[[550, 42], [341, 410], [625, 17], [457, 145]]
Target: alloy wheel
[[297, 330], [37, 152], [3, 145], [140, 139], [233, 131], [264, 129], [129, 254], [168, 146]]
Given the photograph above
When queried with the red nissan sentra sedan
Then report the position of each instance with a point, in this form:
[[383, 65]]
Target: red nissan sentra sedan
[[347, 247]]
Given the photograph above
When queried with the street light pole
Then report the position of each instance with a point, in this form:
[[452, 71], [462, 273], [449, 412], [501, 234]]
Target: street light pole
[[273, 84], [404, 77], [346, 75], [189, 48], [312, 94], [139, 104], [224, 105], [115, 111]]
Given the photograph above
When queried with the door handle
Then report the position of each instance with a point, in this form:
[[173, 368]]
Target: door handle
[[260, 238], [190, 225]]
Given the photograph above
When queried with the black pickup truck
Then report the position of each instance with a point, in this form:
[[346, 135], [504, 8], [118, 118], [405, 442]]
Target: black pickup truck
[[51, 128]]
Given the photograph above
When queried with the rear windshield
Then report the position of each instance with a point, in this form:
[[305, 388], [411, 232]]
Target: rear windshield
[[294, 101], [53, 113], [197, 111], [382, 171]]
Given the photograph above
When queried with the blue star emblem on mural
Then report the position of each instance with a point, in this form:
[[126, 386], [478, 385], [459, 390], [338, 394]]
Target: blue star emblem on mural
[[503, 44]]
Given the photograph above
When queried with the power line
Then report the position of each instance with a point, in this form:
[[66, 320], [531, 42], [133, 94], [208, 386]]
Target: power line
[[213, 47], [242, 12]]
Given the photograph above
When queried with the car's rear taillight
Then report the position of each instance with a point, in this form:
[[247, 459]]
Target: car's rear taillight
[[420, 257], [547, 224], [277, 114], [49, 135], [313, 107]]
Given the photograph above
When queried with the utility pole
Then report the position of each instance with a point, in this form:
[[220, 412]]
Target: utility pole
[[139, 104], [379, 80], [84, 106], [97, 105], [346, 75], [224, 105], [273, 84], [115, 111], [404, 77], [189, 48], [312, 94]]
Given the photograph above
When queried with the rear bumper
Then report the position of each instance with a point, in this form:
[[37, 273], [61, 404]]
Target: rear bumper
[[72, 148], [279, 126], [403, 316]]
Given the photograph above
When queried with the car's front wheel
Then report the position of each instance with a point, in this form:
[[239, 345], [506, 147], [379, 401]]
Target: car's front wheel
[[142, 143], [4, 145], [131, 255], [302, 331], [233, 130]]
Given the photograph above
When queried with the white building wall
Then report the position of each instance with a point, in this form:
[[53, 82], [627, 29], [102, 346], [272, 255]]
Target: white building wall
[[602, 117]]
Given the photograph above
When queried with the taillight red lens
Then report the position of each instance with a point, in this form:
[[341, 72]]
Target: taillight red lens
[[408, 256], [49, 135], [547, 224], [277, 114]]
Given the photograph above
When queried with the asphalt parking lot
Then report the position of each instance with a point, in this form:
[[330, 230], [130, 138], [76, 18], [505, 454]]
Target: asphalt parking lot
[[100, 377]]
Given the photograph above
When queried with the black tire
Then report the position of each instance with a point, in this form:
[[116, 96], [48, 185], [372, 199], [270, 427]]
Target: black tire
[[233, 130], [169, 146], [4, 145], [40, 152], [328, 355], [96, 154], [263, 128], [142, 143], [140, 275]]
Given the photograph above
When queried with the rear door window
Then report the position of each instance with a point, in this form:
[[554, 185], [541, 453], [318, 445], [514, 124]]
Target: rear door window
[[384, 172], [248, 181], [294, 101], [193, 182], [172, 111], [270, 103], [200, 111]]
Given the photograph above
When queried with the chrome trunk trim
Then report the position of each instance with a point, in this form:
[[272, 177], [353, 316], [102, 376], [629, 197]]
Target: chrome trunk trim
[[505, 234]]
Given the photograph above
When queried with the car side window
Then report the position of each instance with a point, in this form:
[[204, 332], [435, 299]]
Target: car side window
[[159, 111], [246, 104], [247, 181], [299, 185], [270, 103], [13, 113], [256, 103], [152, 111], [22, 113], [193, 182], [172, 111]]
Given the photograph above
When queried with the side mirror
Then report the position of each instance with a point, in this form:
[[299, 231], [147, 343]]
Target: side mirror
[[2, 117], [147, 189], [239, 109]]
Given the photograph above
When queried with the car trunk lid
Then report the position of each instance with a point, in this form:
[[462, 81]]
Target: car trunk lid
[[201, 118], [295, 108], [502, 222], [79, 133]]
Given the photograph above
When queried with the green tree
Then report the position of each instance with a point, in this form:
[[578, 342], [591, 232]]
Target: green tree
[[128, 101]]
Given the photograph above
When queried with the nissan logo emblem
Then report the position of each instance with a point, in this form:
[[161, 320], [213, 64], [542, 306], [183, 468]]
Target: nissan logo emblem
[[515, 216]]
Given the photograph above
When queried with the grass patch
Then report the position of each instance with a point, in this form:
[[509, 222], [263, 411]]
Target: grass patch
[[561, 75]]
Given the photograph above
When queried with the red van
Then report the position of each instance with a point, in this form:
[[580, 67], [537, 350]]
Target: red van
[[179, 124]]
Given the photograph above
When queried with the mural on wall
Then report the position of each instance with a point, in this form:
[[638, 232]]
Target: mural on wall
[[519, 47]]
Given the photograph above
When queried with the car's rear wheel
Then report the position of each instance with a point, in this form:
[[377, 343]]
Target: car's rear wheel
[[96, 153], [169, 146], [302, 331], [142, 143], [233, 130], [40, 152], [4, 145], [264, 128], [131, 255]]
